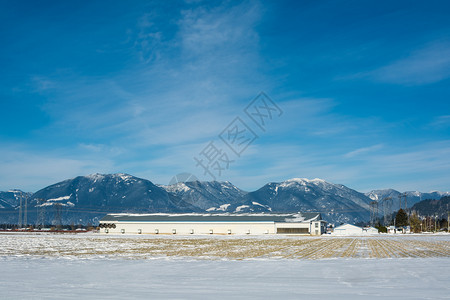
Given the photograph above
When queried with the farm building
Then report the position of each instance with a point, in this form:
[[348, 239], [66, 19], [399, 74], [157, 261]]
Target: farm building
[[399, 229], [239, 224], [348, 229], [370, 230]]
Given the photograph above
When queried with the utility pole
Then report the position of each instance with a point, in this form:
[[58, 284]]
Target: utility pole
[[448, 219], [435, 228], [373, 212], [20, 211], [387, 208]]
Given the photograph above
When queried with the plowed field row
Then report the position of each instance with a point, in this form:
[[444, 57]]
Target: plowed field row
[[215, 248]]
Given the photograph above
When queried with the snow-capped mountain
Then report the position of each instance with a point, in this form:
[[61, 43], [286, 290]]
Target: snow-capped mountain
[[207, 195], [84, 199], [11, 198], [432, 207], [412, 197], [336, 202], [111, 192]]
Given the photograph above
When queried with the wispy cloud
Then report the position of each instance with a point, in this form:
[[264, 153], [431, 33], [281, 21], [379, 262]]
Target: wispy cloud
[[423, 66], [363, 150], [146, 92], [441, 122], [30, 170]]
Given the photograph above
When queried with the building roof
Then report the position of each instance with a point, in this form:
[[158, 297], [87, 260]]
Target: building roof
[[347, 226], [294, 218]]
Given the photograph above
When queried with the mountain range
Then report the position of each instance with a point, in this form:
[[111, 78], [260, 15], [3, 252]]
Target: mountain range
[[85, 199], [412, 197]]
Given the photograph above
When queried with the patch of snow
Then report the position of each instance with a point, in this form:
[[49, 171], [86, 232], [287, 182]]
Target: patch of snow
[[301, 181], [223, 207], [373, 196], [154, 277], [54, 203], [95, 176], [14, 191], [239, 208], [60, 198], [182, 187], [124, 177]]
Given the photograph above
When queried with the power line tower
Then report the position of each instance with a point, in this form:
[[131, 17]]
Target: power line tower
[[387, 209], [406, 202], [40, 220], [58, 222], [373, 212], [400, 201], [25, 215], [20, 223]]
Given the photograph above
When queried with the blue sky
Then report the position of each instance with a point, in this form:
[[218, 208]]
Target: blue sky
[[142, 88]]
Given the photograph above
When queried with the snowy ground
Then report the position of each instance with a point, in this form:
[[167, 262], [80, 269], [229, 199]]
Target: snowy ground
[[85, 267], [220, 247]]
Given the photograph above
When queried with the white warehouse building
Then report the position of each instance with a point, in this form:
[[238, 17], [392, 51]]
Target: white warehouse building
[[238, 224], [348, 229]]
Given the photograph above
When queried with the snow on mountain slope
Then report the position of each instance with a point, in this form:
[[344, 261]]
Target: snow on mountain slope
[[412, 197], [336, 202], [212, 195], [87, 197], [11, 198]]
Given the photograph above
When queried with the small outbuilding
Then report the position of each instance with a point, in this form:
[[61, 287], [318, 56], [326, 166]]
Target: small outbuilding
[[370, 230], [348, 229]]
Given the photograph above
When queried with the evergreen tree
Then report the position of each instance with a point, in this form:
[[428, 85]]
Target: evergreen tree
[[415, 223], [401, 219]]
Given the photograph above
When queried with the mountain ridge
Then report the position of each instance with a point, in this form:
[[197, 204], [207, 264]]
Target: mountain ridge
[[86, 198]]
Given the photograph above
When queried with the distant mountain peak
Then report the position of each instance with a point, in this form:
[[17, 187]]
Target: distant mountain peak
[[15, 191], [95, 176], [303, 181]]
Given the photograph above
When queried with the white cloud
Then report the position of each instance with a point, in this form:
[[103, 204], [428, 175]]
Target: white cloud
[[363, 150], [424, 66], [441, 122]]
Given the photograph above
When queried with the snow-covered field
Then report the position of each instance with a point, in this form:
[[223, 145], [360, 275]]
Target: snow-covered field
[[88, 245], [88, 266]]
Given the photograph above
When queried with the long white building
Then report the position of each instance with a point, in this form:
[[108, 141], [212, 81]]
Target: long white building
[[239, 224]]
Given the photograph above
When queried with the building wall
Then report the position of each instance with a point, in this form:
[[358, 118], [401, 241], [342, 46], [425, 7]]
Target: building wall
[[238, 228], [293, 228], [186, 228], [348, 230]]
